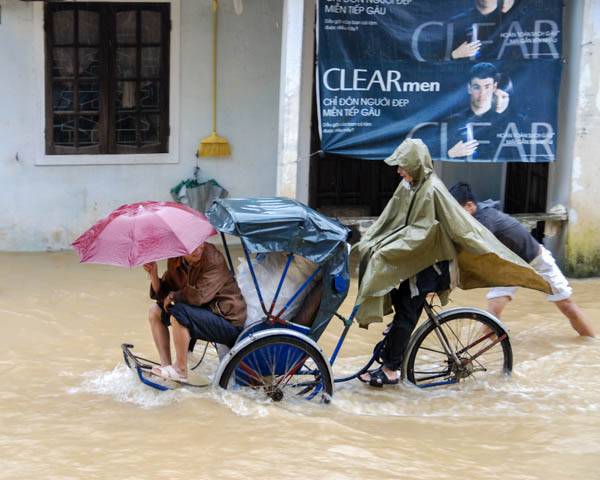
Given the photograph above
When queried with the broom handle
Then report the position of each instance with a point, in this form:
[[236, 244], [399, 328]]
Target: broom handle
[[214, 67]]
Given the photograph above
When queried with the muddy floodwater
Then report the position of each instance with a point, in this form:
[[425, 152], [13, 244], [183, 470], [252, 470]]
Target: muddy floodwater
[[71, 409]]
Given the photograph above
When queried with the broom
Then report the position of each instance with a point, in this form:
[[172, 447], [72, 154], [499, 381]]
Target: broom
[[214, 146]]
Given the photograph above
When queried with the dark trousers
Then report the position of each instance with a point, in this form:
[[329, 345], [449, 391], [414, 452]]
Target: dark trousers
[[407, 311], [202, 324]]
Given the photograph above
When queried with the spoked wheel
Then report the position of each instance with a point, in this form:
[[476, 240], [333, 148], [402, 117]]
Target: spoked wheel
[[467, 345], [281, 366]]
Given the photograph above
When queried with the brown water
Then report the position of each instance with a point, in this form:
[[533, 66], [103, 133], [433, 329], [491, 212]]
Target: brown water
[[69, 408]]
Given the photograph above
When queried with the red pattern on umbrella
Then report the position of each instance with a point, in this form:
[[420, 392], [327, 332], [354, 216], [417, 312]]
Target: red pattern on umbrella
[[143, 232]]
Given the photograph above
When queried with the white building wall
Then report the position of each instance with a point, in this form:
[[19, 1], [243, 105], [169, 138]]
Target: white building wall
[[47, 206], [583, 243]]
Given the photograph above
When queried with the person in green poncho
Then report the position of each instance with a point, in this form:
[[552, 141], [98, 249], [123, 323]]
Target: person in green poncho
[[404, 255]]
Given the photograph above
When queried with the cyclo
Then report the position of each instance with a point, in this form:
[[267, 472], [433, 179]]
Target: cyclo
[[281, 357]]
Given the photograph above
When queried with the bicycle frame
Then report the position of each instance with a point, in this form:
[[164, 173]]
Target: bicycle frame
[[442, 337], [376, 351]]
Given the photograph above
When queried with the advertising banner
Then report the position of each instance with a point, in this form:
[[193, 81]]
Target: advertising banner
[[476, 80]]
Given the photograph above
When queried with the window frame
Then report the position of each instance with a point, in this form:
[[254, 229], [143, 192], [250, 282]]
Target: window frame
[[107, 81], [38, 99]]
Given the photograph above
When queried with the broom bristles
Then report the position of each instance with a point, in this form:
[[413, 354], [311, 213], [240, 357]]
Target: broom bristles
[[214, 146]]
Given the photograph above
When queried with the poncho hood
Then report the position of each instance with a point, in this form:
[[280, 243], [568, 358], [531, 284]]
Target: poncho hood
[[413, 156], [423, 224]]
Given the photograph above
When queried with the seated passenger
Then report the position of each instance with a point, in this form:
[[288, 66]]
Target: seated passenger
[[199, 297]]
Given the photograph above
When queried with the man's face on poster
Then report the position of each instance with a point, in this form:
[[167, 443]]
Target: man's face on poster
[[486, 5], [481, 91]]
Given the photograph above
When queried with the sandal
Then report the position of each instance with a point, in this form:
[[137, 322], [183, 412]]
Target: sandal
[[379, 379], [168, 373], [370, 372]]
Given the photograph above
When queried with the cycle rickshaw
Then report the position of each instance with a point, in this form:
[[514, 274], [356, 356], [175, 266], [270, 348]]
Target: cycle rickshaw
[[282, 357]]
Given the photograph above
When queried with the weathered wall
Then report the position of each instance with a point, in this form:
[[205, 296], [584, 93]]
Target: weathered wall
[[583, 243], [48, 206]]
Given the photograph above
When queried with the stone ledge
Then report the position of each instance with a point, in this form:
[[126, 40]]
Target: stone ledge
[[359, 225], [529, 220]]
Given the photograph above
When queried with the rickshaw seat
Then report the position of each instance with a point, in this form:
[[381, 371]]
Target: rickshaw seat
[[310, 306]]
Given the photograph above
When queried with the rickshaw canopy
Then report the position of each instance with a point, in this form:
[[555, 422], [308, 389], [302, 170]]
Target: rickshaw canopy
[[279, 225], [283, 225]]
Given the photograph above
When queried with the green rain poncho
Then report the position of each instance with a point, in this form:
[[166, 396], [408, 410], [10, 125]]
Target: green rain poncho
[[423, 224]]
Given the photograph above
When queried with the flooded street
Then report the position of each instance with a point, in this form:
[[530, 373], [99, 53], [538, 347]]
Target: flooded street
[[71, 409]]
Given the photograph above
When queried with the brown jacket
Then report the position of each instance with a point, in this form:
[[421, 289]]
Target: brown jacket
[[208, 283]]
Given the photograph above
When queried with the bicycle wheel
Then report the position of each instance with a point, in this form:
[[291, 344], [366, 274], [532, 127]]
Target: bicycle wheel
[[279, 365], [467, 345]]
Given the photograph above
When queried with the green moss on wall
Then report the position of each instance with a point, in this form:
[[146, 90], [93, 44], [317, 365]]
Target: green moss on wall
[[583, 253]]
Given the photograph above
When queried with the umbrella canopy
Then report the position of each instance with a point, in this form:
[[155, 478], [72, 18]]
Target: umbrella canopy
[[143, 232]]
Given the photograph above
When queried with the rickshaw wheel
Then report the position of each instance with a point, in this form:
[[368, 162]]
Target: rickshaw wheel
[[473, 336], [281, 366]]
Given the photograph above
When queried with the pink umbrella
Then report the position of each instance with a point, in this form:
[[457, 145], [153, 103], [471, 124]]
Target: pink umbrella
[[143, 232]]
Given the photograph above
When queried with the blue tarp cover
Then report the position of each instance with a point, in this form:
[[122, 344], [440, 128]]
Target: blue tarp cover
[[282, 225]]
